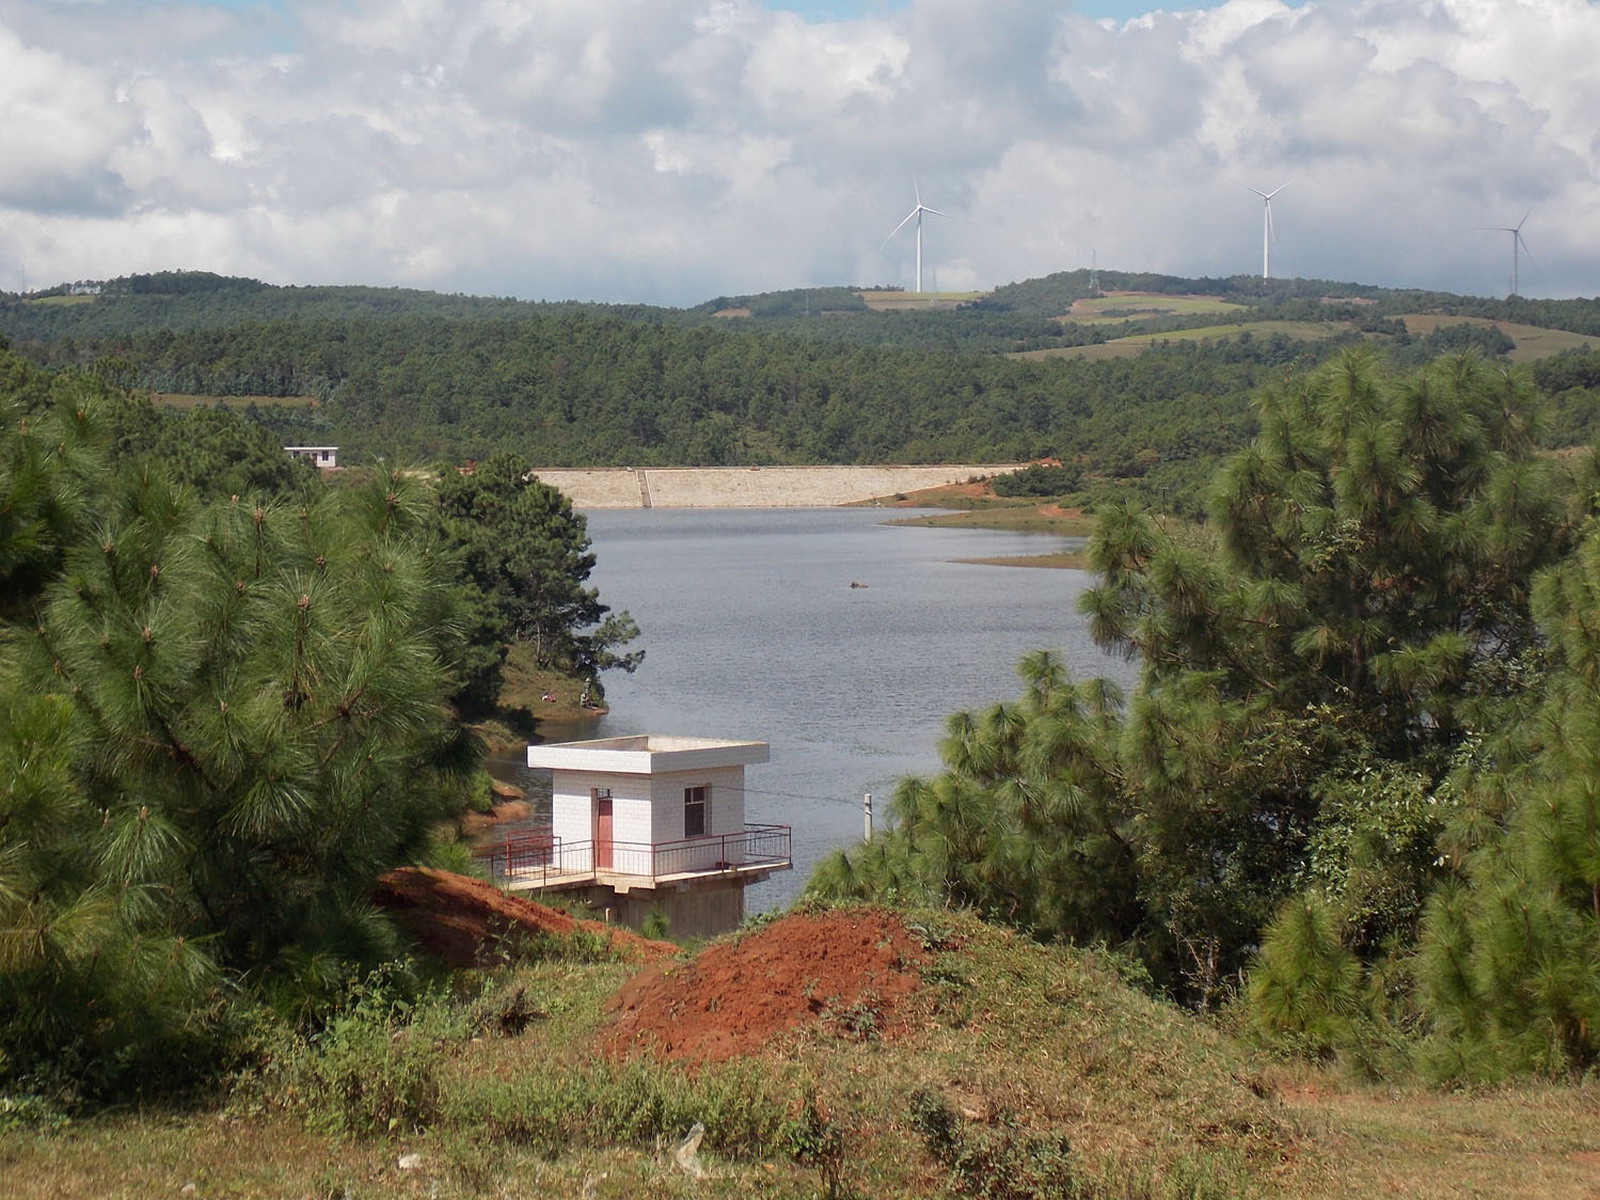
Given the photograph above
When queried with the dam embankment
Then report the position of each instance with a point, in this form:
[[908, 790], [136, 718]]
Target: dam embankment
[[750, 487]]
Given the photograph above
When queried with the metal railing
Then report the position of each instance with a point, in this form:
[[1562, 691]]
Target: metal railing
[[520, 852], [539, 856], [753, 846]]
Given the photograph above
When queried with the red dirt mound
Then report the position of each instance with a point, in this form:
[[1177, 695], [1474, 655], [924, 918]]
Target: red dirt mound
[[459, 919], [852, 967]]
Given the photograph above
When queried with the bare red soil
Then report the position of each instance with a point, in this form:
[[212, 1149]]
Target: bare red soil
[[462, 921], [473, 824], [851, 969]]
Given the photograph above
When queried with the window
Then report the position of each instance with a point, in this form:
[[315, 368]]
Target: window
[[694, 811]]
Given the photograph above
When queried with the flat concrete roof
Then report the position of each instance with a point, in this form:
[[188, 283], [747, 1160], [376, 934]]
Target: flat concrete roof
[[646, 754]]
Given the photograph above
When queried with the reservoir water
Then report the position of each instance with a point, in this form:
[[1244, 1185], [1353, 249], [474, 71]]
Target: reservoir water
[[751, 629]]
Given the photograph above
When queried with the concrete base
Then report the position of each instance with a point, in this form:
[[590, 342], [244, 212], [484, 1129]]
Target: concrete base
[[704, 909]]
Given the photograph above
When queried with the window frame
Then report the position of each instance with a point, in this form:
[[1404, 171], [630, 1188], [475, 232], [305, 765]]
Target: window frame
[[697, 800]]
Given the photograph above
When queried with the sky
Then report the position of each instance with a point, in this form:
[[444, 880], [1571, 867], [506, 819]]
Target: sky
[[671, 151]]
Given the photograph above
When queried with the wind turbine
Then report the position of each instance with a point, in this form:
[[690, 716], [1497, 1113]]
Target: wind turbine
[[1266, 224], [1516, 242], [917, 213]]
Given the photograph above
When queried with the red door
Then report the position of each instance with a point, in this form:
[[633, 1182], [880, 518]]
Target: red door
[[602, 833]]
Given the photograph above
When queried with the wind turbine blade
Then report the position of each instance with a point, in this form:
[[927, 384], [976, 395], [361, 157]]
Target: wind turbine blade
[[1524, 220], [934, 211], [1248, 188], [916, 190], [1274, 191], [900, 226]]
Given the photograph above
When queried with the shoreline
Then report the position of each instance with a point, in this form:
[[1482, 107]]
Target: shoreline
[[1066, 560]]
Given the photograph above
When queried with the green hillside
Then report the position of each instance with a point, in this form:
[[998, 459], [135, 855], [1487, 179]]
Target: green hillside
[[1141, 384]]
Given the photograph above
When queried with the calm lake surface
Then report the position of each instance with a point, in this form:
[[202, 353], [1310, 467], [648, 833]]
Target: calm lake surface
[[752, 630]]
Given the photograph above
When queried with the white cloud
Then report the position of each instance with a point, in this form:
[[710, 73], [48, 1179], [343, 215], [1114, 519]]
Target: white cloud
[[670, 150], [62, 120]]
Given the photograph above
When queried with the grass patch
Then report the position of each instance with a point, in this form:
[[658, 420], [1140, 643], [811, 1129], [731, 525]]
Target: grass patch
[[1066, 560], [1113, 310], [59, 301], [525, 713], [1533, 342], [1531, 1141], [527, 684], [1026, 1071], [1136, 344], [892, 301]]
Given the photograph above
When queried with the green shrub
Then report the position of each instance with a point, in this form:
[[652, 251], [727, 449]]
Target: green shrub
[[373, 1068], [998, 1161], [1038, 480], [656, 924]]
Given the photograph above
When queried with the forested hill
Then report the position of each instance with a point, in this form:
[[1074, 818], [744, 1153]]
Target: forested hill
[[829, 375], [187, 300], [1054, 295], [1030, 314], [585, 389]]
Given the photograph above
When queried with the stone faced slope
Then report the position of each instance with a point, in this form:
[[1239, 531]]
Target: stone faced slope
[[751, 487]]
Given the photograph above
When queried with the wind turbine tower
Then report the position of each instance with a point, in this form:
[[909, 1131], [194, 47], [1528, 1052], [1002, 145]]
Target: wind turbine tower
[[1266, 224], [1517, 243], [917, 213]]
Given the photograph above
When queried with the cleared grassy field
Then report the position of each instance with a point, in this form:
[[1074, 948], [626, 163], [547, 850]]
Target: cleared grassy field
[[1113, 309], [901, 301], [1129, 346], [1533, 343], [57, 301]]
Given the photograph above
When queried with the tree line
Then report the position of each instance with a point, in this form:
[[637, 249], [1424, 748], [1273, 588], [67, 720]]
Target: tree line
[[585, 389]]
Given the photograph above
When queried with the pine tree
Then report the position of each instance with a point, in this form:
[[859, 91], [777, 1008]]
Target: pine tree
[[1508, 954], [525, 558], [221, 722], [1312, 661], [1307, 982]]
